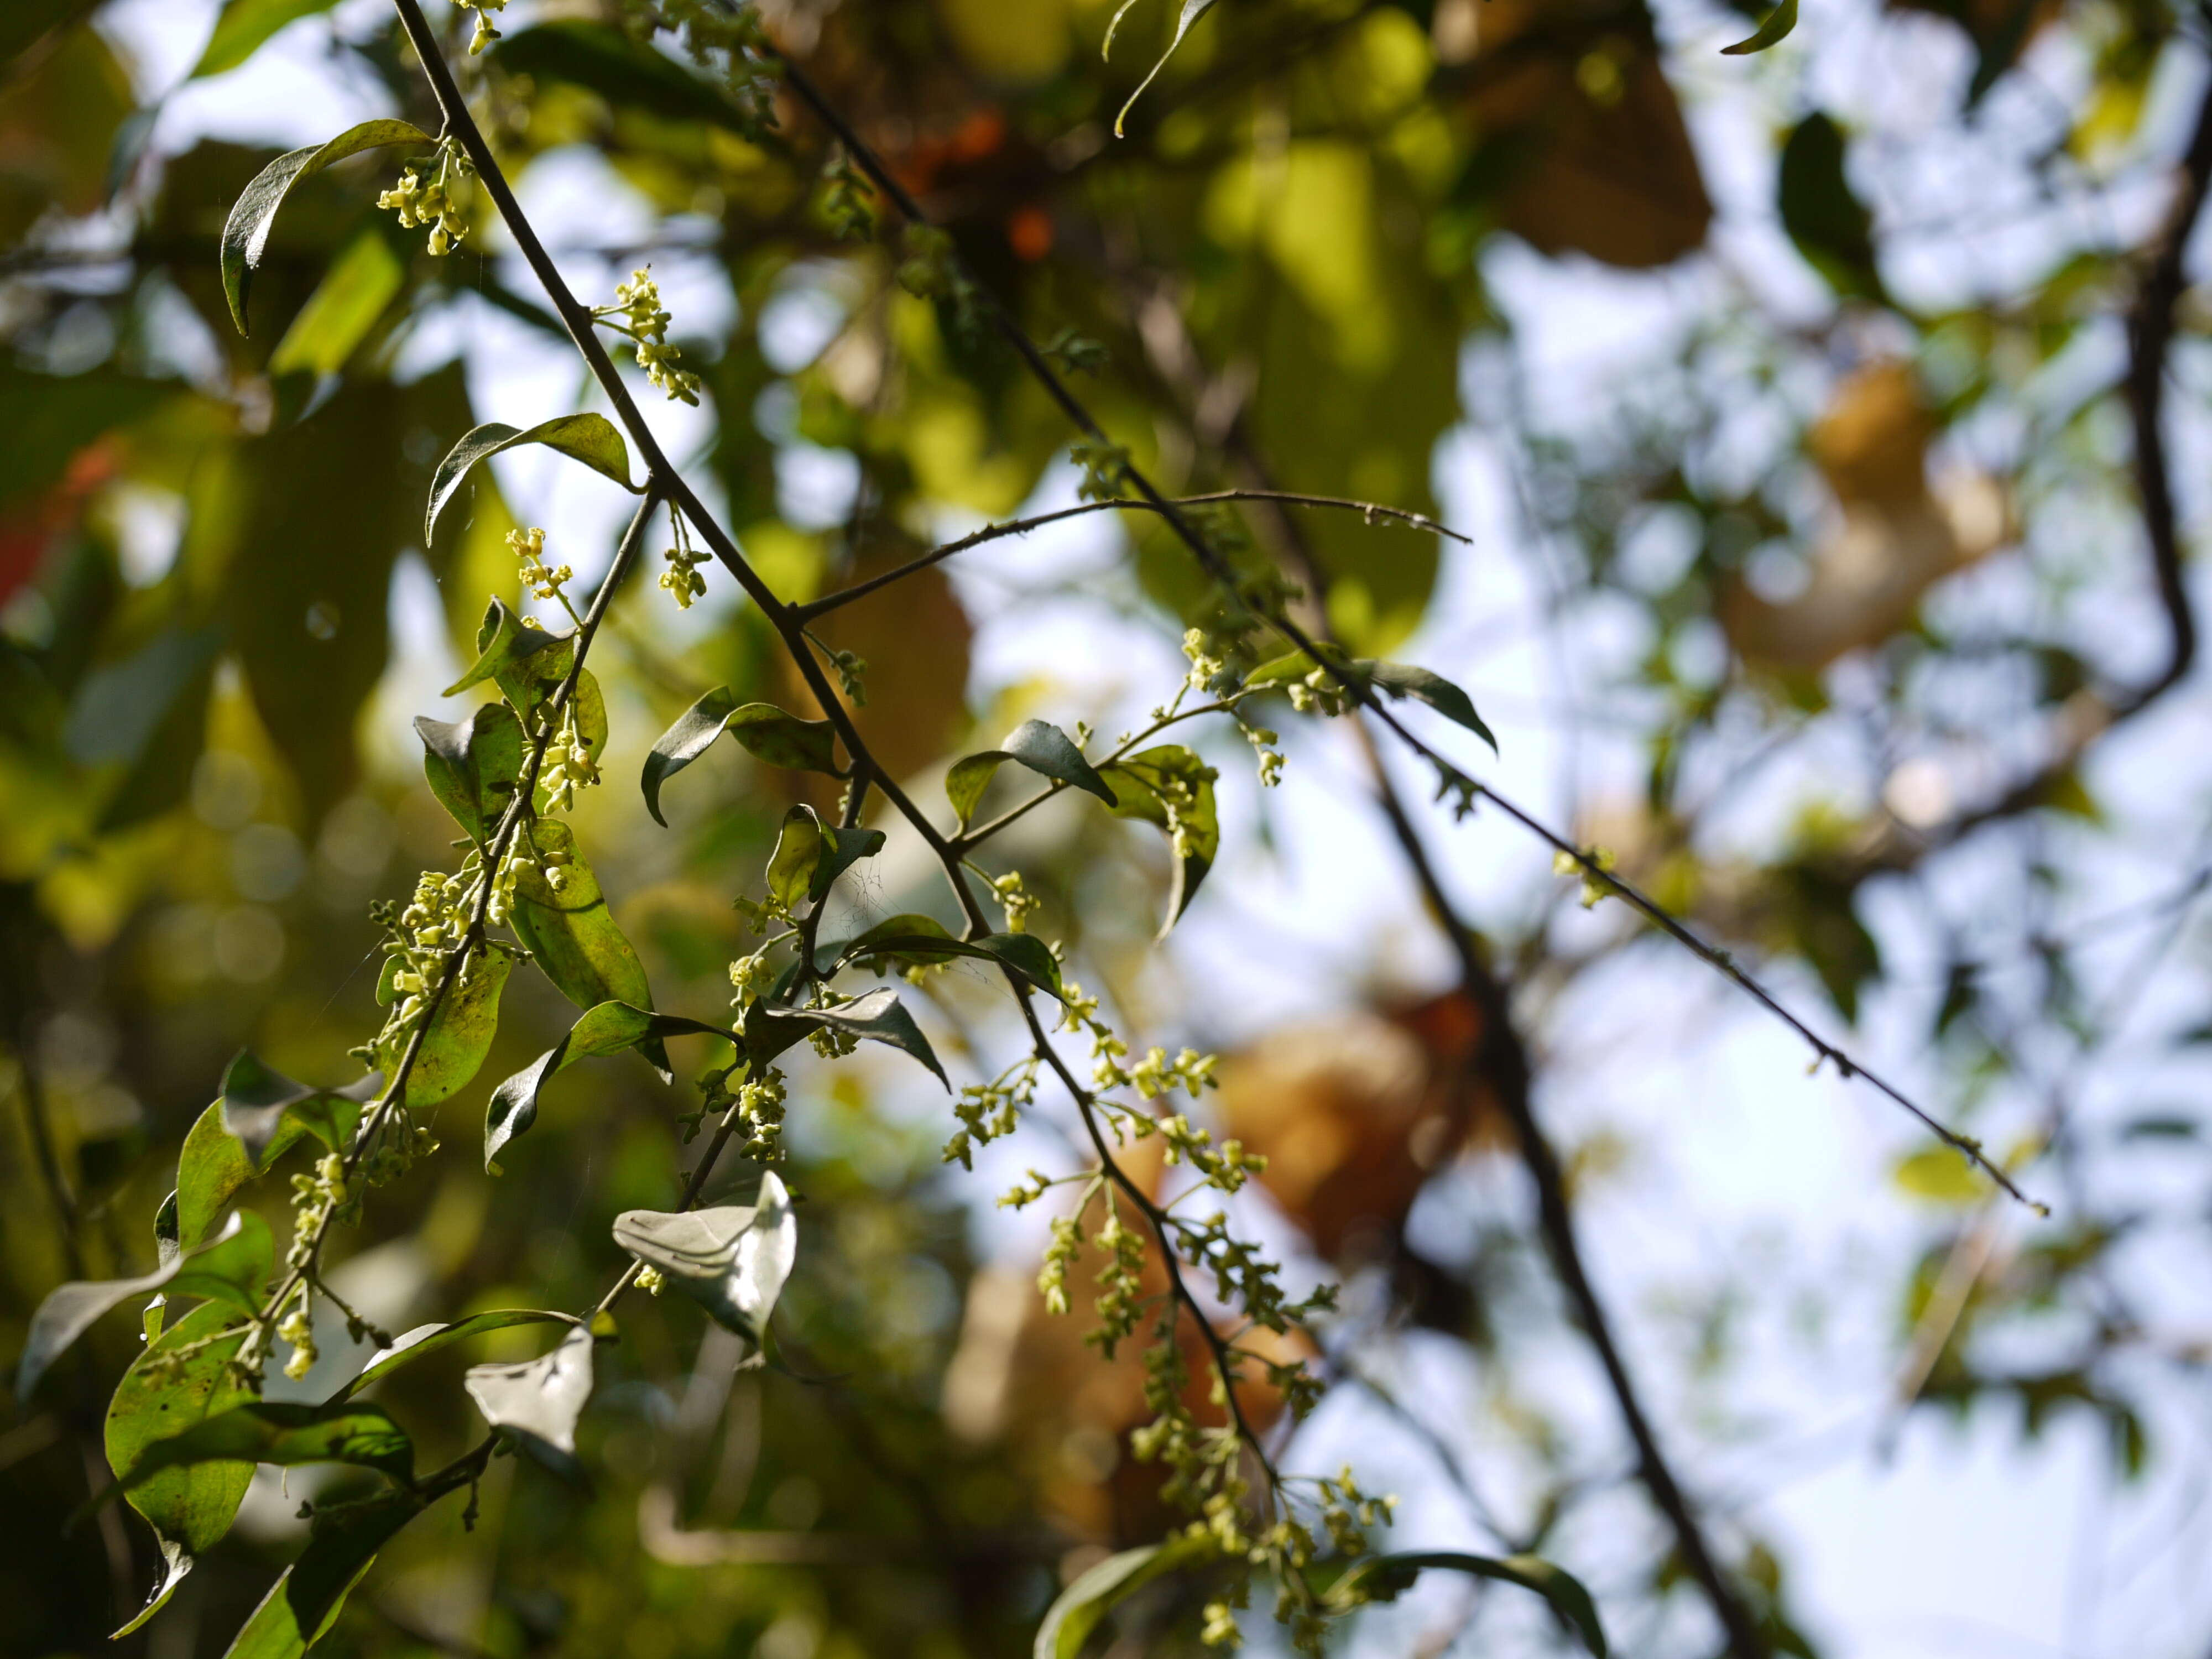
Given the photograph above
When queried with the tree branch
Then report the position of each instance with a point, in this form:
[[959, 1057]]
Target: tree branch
[[2150, 334], [1371, 510], [1211, 562]]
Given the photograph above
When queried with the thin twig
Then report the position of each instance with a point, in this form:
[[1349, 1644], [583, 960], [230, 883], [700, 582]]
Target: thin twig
[[1371, 510]]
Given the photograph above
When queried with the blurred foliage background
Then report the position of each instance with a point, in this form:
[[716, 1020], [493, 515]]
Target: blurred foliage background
[[1829, 424]]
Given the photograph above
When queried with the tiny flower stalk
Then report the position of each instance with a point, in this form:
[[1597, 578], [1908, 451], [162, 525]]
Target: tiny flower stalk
[[483, 11], [432, 191], [682, 580], [638, 315]]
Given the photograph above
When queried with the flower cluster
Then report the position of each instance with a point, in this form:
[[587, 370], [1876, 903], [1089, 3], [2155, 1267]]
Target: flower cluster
[[1590, 868], [418, 941], [1052, 1273], [1015, 900], [1104, 465], [1075, 353], [569, 765], [540, 580], [638, 314], [431, 201], [760, 1115], [682, 578], [988, 1111], [847, 199], [485, 33], [1263, 740], [930, 271], [750, 977], [1121, 1300], [1319, 693], [727, 37]]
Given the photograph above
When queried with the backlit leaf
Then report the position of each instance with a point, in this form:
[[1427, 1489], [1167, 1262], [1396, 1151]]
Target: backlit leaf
[[542, 1398], [231, 1268], [1942, 1174], [1778, 23], [1080, 1608], [190, 1509], [625, 71], [1385, 1577], [306, 1600], [1043, 748], [1145, 784], [426, 1340], [1192, 11], [344, 307], [799, 849], [732, 1260], [1396, 681], [243, 25], [921, 941], [473, 765], [568, 927], [257, 1102], [608, 1028], [590, 438], [461, 1030], [266, 1431], [246, 233], [214, 1165], [765, 732], [878, 1017]]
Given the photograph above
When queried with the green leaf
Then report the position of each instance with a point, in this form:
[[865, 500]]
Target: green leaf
[[1386, 1576], [245, 233], [624, 70], [1829, 225], [608, 1028], [1778, 23], [1044, 749], [764, 731], [461, 1030], [305, 1600], [878, 1017], [288, 1435], [166, 1248], [529, 666], [732, 1260], [810, 855], [214, 1165], [244, 25], [1943, 1174], [345, 304], [1079, 1608], [1172, 788], [257, 1102], [1394, 680], [1192, 11], [231, 1268], [425, 1340], [590, 438], [1401, 680], [472, 766], [921, 941], [799, 849], [542, 1399], [846, 849], [569, 929], [182, 1377], [503, 640]]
